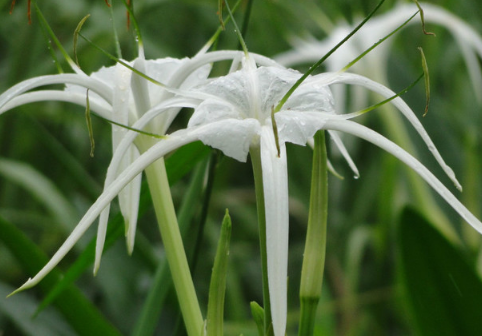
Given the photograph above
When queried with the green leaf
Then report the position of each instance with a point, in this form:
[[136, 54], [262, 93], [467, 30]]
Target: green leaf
[[443, 291], [77, 310], [217, 287], [258, 315]]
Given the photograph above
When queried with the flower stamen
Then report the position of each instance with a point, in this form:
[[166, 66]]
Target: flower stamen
[[12, 6], [275, 131], [88, 119]]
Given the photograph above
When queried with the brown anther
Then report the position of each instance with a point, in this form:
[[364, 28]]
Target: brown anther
[[12, 6], [107, 3]]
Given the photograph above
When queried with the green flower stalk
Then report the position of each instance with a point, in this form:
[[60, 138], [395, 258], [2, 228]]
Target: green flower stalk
[[315, 246]]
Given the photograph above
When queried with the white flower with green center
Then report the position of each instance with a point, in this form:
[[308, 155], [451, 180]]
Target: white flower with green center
[[234, 114]]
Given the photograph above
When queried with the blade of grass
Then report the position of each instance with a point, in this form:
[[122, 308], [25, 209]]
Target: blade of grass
[[217, 287], [52, 35], [258, 316]]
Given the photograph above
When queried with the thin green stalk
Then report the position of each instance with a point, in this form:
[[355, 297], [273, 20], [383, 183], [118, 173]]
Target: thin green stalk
[[255, 155], [197, 238], [237, 31], [247, 15], [173, 245], [114, 31], [162, 282], [315, 248]]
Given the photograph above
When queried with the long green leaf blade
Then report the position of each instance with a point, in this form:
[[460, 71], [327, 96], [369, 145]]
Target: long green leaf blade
[[442, 289]]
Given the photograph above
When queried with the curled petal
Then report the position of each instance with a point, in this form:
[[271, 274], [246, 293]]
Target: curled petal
[[99, 106], [341, 147], [154, 153], [232, 137], [382, 142], [348, 78], [86, 82], [122, 147], [297, 127]]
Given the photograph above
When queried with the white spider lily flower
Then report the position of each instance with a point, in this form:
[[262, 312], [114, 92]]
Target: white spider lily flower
[[373, 64], [235, 116], [116, 94]]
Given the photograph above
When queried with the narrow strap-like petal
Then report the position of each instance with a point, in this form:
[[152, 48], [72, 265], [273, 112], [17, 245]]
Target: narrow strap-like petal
[[97, 105], [382, 142], [86, 82], [157, 151], [349, 78], [115, 166], [341, 147], [275, 187]]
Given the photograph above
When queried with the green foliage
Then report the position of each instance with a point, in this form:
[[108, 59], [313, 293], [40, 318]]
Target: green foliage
[[441, 287]]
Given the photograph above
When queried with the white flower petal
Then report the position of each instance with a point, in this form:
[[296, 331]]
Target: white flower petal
[[232, 137], [341, 147], [99, 106], [124, 145], [175, 141], [129, 196], [140, 88], [382, 142], [349, 78], [275, 188], [94, 85], [297, 127]]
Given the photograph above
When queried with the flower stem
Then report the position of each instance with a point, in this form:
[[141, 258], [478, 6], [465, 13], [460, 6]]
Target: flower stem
[[255, 155], [315, 248], [175, 253]]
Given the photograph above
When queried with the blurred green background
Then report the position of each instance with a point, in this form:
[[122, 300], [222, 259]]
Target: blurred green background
[[368, 289]]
